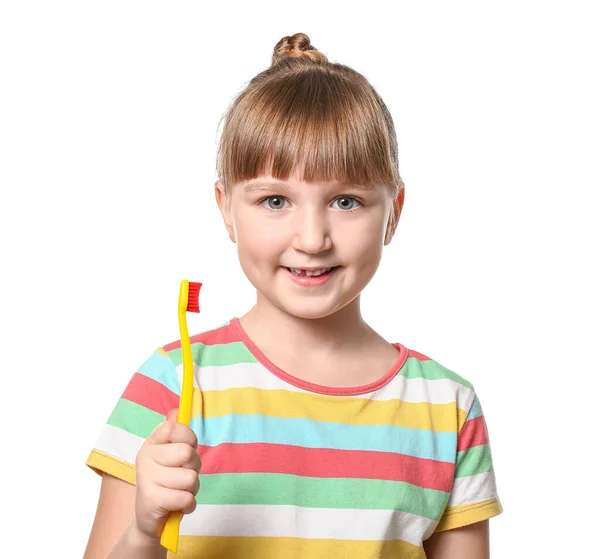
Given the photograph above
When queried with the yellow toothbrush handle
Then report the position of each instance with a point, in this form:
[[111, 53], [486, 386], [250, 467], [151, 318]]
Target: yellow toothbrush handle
[[169, 538]]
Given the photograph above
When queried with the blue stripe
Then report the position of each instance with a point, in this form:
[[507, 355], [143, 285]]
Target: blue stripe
[[160, 368], [256, 428], [475, 410]]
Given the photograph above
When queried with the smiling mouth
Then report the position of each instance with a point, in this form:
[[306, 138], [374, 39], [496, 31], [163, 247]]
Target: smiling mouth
[[310, 273]]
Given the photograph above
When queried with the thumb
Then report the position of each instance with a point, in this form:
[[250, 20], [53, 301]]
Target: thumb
[[172, 415]]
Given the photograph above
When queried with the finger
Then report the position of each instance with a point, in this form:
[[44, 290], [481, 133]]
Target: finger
[[175, 500], [181, 479], [172, 415], [196, 464], [171, 432], [175, 455]]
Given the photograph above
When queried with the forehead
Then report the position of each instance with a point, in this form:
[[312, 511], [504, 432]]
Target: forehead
[[268, 183]]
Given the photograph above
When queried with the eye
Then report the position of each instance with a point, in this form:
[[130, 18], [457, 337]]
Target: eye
[[277, 204], [347, 201]]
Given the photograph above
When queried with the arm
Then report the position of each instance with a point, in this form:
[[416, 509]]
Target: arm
[[114, 532], [467, 542]]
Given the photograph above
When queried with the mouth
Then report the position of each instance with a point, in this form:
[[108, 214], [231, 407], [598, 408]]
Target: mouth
[[311, 278], [311, 273]]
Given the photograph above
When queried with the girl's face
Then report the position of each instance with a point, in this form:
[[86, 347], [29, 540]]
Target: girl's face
[[295, 224]]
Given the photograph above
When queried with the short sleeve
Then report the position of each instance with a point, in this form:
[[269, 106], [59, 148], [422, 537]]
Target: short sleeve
[[474, 496], [151, 392]]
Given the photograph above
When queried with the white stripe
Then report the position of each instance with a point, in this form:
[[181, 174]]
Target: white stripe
[[244, 375], [472, 489], [119, 443], [301, 522]]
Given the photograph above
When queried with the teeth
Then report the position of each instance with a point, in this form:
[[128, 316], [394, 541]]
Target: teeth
[[299, 272], [317, 272]]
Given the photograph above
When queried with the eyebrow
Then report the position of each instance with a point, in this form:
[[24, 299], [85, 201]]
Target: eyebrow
[[257, 185]]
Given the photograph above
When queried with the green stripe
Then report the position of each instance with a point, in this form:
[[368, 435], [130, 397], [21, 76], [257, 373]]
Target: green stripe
[[134, 418], [217, 355], [287, 489], [430, 370], [474, 460]]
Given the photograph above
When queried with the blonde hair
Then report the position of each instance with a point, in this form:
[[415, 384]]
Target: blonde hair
[[306, 115]]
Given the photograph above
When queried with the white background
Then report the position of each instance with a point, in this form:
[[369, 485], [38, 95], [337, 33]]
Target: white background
[[108, 129]]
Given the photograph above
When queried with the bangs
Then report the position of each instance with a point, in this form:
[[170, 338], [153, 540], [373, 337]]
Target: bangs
[[311, 125]]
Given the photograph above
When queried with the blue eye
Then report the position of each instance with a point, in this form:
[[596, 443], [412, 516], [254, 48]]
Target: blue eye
[[347, 199], [276, 202], [280, 202]]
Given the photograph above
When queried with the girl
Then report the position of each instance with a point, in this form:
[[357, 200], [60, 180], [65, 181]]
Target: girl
[[317, 438]]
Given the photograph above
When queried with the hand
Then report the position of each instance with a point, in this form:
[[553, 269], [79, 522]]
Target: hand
[[167, 468]]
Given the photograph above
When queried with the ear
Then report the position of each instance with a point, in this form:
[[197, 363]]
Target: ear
[[224, 206], [394, 217]]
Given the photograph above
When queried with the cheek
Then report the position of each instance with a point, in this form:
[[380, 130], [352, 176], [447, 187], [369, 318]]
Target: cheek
[[257, 242], [370, 254], [256, 228], [362, 239]]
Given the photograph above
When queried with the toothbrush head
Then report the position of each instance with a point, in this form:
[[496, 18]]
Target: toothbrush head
[[189, 291], [193, 304]]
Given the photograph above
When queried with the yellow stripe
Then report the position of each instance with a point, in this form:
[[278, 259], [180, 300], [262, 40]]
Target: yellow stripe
[[101, 462], [461, 515], [161, 350], [211, 547], [356, 411]]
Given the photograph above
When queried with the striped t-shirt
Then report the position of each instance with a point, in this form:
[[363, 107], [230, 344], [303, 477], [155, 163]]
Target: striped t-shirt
[[295, 470]]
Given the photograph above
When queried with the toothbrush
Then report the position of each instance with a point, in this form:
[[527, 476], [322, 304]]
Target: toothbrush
[[189, 293]]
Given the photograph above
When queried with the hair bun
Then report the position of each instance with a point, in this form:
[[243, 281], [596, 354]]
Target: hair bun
[[297, 46]]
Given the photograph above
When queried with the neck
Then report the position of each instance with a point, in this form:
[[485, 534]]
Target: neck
[[270, 326]]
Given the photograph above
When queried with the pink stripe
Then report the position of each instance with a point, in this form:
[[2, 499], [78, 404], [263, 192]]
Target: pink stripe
[[417, 355], [473, 433], [151, 394], [324, 462]]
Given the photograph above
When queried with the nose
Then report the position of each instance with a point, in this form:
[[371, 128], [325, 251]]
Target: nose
[[311, 232]]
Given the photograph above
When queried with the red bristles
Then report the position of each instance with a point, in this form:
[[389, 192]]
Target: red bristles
[[193, 296]]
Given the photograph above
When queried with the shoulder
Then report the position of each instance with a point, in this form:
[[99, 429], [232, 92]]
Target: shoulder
[[218, 345], [421, 365], [447, 385]]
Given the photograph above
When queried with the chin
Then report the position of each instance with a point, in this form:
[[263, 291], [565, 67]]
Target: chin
[[307, 310], [308, 314]]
